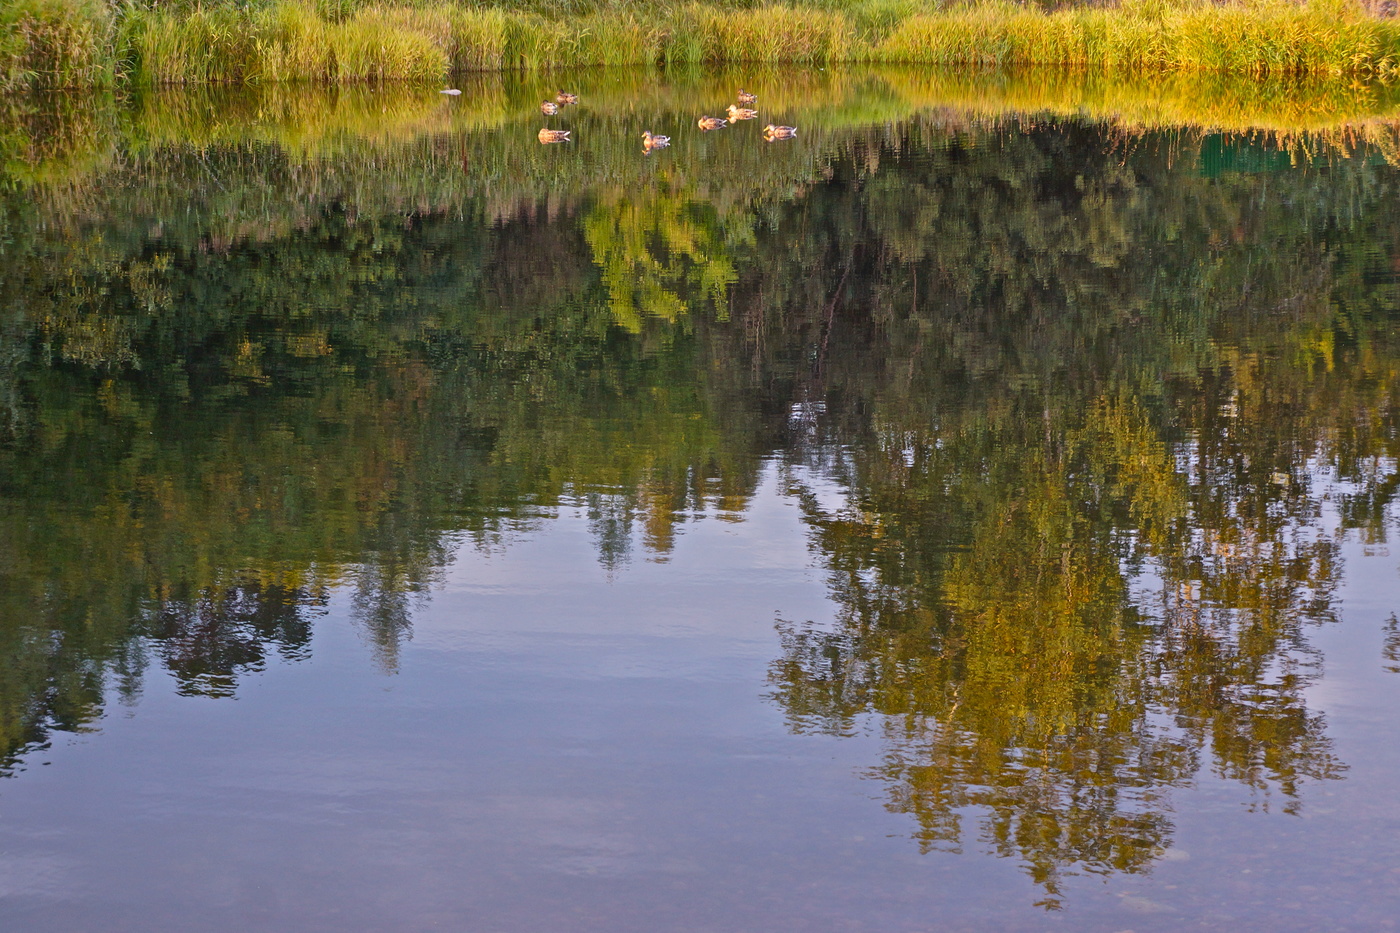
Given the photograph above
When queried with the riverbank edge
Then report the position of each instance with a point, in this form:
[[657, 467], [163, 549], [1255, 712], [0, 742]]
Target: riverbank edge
[[47, 44]]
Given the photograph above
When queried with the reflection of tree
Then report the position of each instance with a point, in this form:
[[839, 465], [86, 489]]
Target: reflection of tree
[[659, 251], [209, 640], [1066, 583], [1391, 649], [1018, 669], [1076, 401], [381, 605]]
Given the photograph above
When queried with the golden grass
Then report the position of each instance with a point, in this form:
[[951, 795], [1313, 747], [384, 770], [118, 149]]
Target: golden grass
[[1319, 37], [53, 43]]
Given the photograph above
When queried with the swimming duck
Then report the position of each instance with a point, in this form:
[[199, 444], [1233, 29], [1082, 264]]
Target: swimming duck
[[712, 123], [549, 108], [772, 132], [746, 98], [741, 113], [564, 97], [650, 142], [555, 136]]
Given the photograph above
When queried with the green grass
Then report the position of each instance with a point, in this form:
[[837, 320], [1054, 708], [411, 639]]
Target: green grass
[[55, 44], [77, 43]]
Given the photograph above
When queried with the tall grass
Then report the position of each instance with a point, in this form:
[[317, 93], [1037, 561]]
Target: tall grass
[[56, 43], [1254, 37], [767, 34]]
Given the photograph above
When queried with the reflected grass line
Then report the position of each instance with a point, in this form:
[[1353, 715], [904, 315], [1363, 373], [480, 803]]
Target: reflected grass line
[[1287, 106], [39, 134], [254, 163]]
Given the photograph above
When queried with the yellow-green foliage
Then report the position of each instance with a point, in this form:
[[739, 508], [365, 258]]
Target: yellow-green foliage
[[201, 46], [765, 34], [1268, 36], [47, 43], [391, 45], [54, 43], [293, 43], [596, 39], [478, 39]]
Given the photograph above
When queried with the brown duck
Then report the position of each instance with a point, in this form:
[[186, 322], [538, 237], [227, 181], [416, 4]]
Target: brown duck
[[549, 108], [555, 136], [712, 123], [564, 97], [741, 113]]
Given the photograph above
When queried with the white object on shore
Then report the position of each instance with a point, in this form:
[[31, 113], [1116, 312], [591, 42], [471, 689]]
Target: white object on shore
[[452, 90]]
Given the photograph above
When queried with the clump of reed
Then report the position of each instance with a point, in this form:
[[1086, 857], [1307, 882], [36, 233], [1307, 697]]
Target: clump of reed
[[703, 33], [378, 44], [535, 41], [295, 40], [55, 44], [201, 46]]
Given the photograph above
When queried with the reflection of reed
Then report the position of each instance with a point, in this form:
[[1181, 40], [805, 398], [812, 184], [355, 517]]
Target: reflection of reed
[[51, 142]]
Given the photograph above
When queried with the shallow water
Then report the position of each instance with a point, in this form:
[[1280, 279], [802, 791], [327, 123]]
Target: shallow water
[[972, 514]]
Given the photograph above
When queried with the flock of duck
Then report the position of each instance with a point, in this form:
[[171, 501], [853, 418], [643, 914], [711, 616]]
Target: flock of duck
[[743, 110]]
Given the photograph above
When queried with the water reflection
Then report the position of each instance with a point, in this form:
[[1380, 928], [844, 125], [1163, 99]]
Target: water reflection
[[1101, 404]]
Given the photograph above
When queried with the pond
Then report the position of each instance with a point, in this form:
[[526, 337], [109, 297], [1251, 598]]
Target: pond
[[972, 513]]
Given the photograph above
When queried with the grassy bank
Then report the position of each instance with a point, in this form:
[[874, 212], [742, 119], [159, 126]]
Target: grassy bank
[[87, 43]]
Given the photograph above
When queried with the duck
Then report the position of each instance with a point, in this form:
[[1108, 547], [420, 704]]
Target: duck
[[555, 136], [746, 98], [772, 132], [549, 108], [741, 113], [650, 142], [712, 123], [564, 97]]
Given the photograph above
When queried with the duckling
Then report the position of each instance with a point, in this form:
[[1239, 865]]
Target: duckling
[[549, 108], [555, 136], [564, 97], [712, 123], [746, 98], [771, 132], [650, 142], [741, 113]]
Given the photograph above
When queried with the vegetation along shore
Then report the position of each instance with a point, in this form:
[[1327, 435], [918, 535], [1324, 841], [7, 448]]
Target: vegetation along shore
[[90, 43]]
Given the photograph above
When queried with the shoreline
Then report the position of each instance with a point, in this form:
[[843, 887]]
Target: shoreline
[[79, 44]]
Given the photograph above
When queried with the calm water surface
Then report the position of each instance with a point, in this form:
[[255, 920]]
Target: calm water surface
[[973, 514]]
